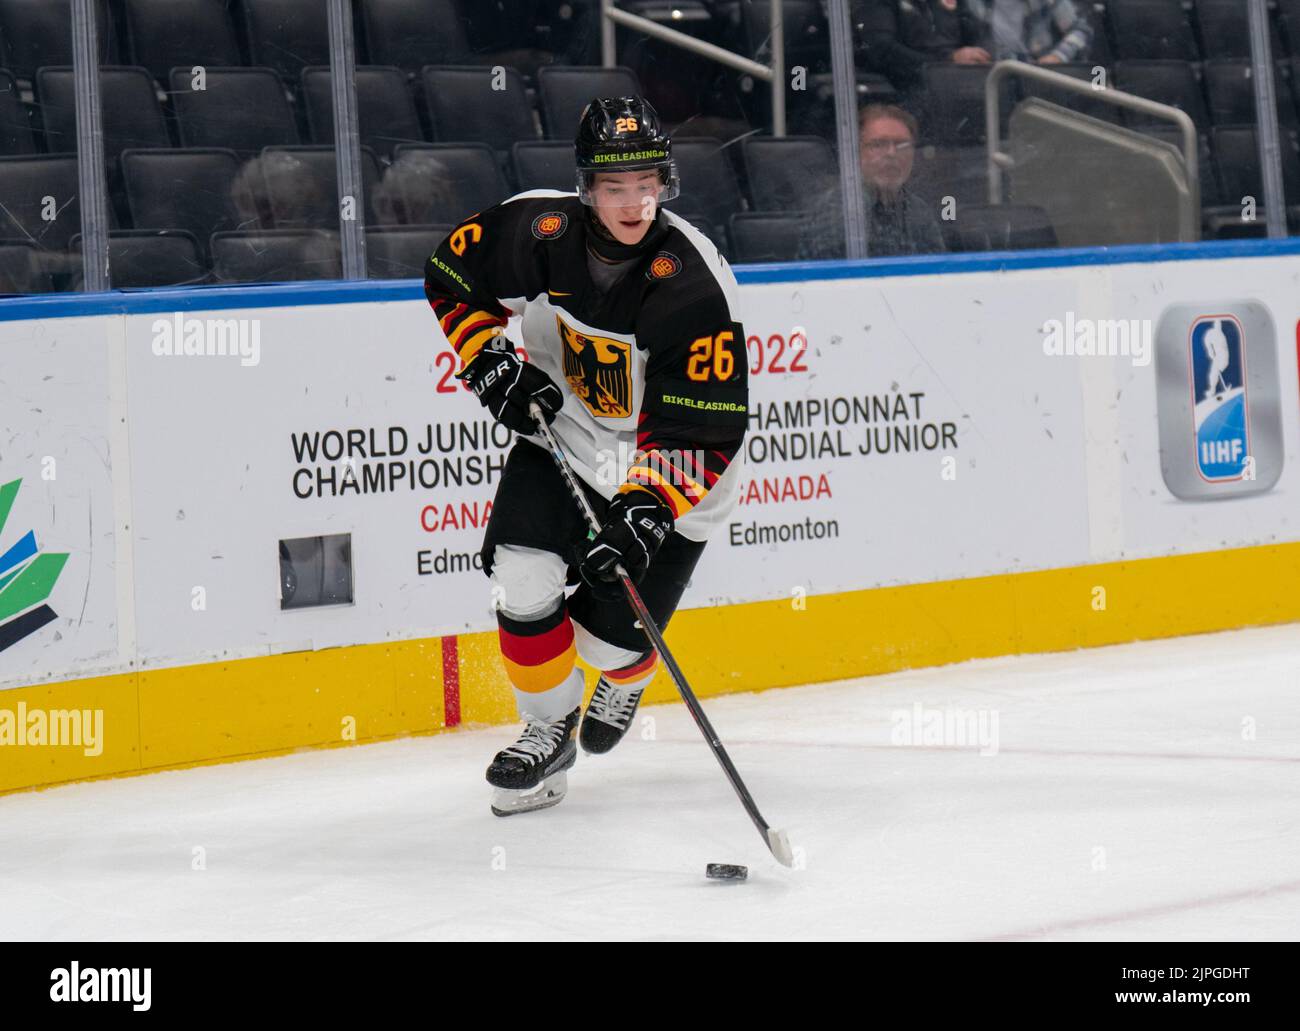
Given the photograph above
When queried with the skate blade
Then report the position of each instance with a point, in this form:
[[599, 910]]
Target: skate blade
[[549, 792]]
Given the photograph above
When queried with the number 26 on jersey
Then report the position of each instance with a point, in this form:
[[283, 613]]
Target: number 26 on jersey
[[712, 358]]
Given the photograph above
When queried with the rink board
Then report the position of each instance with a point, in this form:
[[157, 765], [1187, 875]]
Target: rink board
[[924, 484]]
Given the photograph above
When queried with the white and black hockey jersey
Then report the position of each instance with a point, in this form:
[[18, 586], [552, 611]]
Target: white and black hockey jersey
[[654, 370]]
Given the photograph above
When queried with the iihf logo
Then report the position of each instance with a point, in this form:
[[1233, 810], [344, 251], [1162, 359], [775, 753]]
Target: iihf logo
[[1220, 409], [1218, 399]]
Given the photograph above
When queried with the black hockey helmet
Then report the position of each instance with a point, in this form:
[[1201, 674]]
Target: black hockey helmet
[[623, 134]]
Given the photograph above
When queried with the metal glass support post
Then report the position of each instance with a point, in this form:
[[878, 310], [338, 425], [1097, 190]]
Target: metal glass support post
[[608, 57], [1270, 147], [776, 34], [347, 145], [845, 83], [91, 184]]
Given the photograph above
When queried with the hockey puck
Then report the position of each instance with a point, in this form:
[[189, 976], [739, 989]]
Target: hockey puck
[[726, 872]]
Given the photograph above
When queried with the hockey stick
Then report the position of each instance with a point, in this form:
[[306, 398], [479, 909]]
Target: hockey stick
[[777, 841]]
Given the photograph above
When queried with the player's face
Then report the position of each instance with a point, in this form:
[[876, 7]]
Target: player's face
[[626, 203]]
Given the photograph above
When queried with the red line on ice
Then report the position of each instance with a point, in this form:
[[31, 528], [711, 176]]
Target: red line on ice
[[1149, 911], [1051, 753]]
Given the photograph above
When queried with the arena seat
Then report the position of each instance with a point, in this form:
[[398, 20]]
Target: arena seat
[[165, 34], [787, 173], [400, 252], [276, 255], [150, 257], [544, 165], [765, 236], [287, 35], [464, 106], [190, 189], [566, 91], [386, 114], [244, 109], [1166, 82], [1151, 29], [130, 113]]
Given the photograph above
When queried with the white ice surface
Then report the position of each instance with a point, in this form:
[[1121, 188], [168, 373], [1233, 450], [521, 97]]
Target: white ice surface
[[1124, 803]]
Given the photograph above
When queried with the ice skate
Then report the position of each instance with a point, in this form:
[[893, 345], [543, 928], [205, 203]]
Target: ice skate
[[530, 774], [608, 716]]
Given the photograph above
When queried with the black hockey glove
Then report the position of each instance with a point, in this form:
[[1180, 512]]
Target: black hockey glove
[[636, 524], [505, 384]]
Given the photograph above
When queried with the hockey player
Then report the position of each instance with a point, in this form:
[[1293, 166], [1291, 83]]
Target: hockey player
[[1215, 343], [634, 353]]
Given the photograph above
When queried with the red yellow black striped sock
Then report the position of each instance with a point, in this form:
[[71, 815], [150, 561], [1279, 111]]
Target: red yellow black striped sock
[[635, 677], [539, 657]]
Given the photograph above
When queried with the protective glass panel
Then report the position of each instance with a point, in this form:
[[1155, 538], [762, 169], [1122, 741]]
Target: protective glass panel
[[217, 122], [40, 191], [1048, 155], [219, 154]]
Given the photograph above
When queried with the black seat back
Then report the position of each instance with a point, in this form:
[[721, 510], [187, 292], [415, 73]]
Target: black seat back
[[287, 35], [150, 257], [544, 165], [790, 173], [466, 107], [765, 236], [411, 35], [167, 34], [16, 136], [385, 108], [190, 190], [566, 91], [25, 183], [34, 33], [130, 113], [276, 255], [244, 109], [400, 252], [1001, 227]]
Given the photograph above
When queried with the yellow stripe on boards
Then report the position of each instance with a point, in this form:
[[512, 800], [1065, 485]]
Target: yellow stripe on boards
[[215, 712]]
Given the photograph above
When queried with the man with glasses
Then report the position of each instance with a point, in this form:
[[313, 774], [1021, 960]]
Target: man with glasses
[[898, 220]]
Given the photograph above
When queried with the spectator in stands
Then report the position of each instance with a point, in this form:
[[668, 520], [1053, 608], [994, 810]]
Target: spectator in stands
[[416, 190], [289, 178], [304, 203], [248, 194], [897, 37], [1039, 31], [898, 221]]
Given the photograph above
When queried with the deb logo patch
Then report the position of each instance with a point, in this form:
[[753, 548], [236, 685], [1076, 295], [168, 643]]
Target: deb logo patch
[[664, 266], [550, 224], [1218, 398]]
